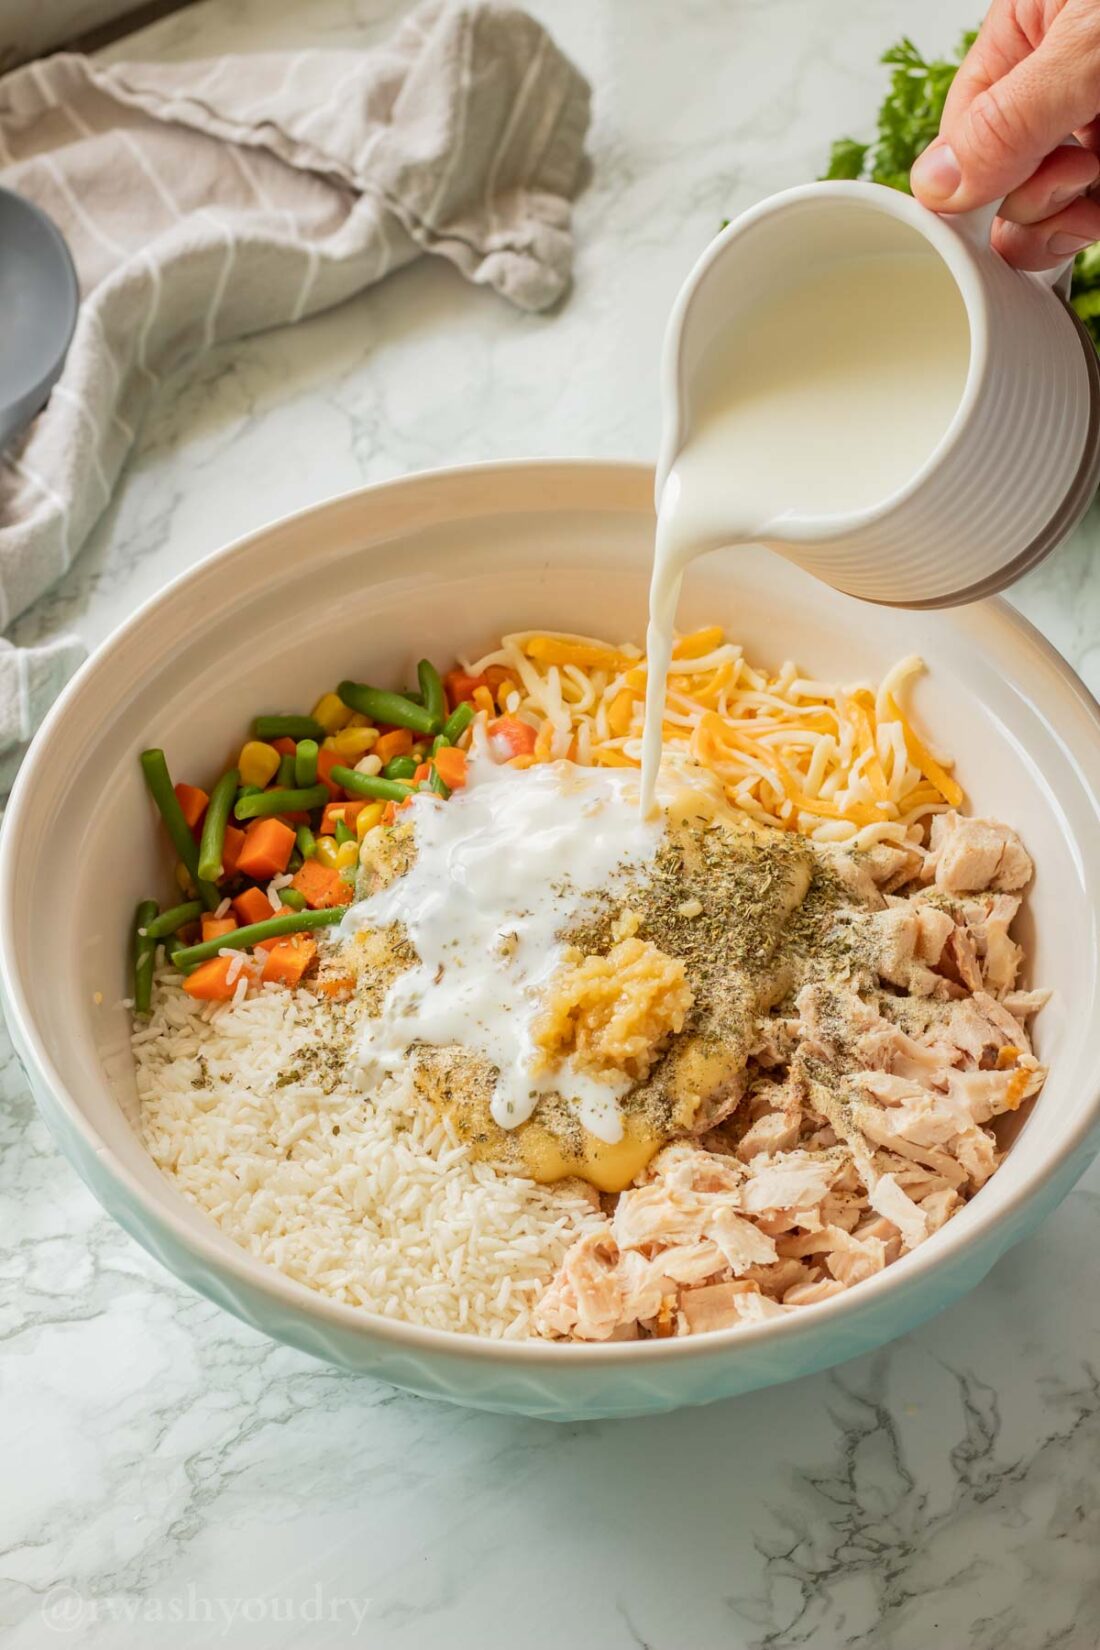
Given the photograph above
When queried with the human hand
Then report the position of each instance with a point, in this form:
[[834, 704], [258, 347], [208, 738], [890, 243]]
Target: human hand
[[1031, 78]]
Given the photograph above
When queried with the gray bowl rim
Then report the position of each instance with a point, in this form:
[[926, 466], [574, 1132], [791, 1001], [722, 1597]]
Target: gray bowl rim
[[37, 393]]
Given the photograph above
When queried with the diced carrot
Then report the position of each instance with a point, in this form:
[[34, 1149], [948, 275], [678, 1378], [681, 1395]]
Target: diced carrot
[[397, 743], [500, 681], [262, 947], [450, 765], [231, 849], [252, 906], [336, 986], [210, 981], [459, 686], [326, 761], [510, 734], [424, 771], [389, 813], [288, 961], [192, 801], [268, 845], [347, 811], [214, 927], [320, 887], [284, 746]]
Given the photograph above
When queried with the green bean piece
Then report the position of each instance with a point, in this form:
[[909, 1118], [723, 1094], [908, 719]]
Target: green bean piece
[[439, 742], [145, 955], [306, 841], [305, 763], [293, 898], [287, 727], [342, 834], [172, 944], [400, 767], [285, 774], [438, 785], [159, 781], [457, 722], [212, 843], [265, 803], [178, 916], [431, 686], [255, 933], [250, 790], [370, 785], [393, 708], [295, 862]]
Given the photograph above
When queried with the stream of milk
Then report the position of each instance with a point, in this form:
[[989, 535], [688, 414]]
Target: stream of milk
[[823, 400]]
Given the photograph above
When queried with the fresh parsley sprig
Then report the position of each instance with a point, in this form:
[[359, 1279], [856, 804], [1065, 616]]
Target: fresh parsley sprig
[[908, 117]]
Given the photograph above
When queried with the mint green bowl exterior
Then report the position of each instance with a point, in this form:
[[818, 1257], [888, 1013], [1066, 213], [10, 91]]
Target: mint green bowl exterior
[[442, 563]]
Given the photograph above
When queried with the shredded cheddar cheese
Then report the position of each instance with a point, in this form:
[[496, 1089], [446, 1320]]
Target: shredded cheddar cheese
[[840, 764]]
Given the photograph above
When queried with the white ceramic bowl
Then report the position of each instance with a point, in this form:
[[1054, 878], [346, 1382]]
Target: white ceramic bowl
[[446, 562]]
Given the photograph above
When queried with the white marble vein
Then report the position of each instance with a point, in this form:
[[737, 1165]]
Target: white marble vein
[[167, 1476]]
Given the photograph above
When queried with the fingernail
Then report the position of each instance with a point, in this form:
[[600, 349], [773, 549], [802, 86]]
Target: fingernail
[[1062, 245], [937, 172], [1061, 196]]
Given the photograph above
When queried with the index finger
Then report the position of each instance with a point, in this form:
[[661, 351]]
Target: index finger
[[1000, 45], [998, 131]]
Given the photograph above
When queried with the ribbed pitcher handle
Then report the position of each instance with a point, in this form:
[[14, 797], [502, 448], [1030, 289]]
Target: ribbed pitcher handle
[[977, 226], [1059, 279]]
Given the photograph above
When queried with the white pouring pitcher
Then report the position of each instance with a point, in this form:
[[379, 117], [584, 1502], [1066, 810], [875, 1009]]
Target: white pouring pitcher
[[1019, 462]]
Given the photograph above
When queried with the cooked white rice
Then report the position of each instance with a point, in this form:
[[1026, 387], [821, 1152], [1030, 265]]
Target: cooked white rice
[[368, 1199]]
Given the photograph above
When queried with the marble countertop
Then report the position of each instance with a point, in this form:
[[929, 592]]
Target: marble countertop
[[168, 1476]]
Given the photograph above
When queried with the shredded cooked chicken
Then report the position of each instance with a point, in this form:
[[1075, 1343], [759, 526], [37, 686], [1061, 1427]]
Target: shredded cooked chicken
[[864, 1116]]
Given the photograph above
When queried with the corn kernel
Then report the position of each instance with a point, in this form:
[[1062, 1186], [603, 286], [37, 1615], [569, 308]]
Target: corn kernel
[[370, 765], [368, 818], [325, 852], [336, 856], [258, 763], [183, 879], [358, 720], [352, 743], [332, 713]]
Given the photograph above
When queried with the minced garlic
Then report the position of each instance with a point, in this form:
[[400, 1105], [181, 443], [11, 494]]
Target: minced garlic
[[613, 1014]]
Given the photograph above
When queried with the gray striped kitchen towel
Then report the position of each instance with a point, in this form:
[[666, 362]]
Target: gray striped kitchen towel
[[206, 200]]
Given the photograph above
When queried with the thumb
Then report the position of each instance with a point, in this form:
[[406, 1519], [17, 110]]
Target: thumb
[[993, 141]]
